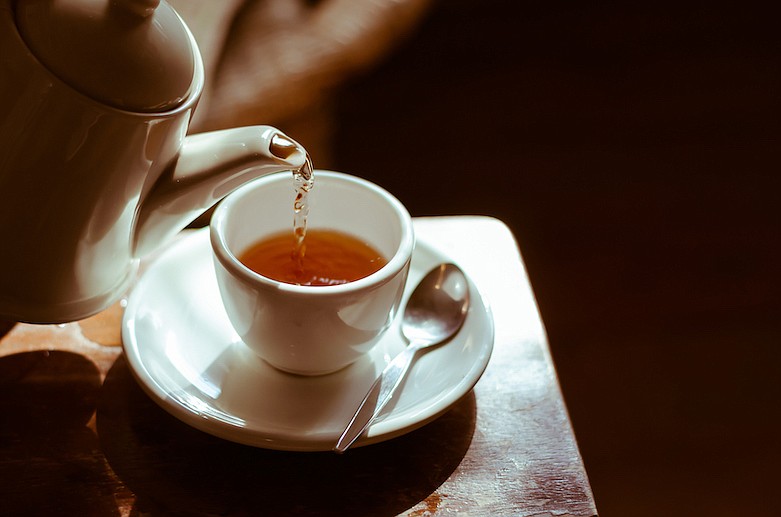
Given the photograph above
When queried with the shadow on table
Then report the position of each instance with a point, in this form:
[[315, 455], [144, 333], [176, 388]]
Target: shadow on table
[[6, 326], [174, 469], [50, 461]]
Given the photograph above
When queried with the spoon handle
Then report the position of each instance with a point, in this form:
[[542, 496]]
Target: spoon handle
[[381, 392]]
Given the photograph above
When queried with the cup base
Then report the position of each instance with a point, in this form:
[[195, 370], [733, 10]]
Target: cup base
[[306, 373]]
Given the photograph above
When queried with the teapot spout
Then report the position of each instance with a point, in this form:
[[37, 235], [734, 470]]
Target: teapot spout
[[209, 167]]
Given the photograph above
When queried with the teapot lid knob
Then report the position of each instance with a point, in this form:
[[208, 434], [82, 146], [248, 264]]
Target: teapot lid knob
[[135, 55]]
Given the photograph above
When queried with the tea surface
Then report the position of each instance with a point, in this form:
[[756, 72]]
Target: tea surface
[[326, 257]]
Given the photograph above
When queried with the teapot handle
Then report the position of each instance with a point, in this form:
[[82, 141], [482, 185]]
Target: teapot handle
[[210, 166]]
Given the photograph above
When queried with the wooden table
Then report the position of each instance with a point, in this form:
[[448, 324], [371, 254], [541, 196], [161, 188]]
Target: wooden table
[[79, 436]]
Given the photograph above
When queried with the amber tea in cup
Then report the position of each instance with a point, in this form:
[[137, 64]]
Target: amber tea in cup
[[328, 257]]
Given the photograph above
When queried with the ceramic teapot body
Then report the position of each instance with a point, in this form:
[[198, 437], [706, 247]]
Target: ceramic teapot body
[[86, 188]]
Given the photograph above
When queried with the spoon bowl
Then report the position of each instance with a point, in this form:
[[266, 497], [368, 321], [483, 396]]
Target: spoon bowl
[[435, 312], [437, 308]]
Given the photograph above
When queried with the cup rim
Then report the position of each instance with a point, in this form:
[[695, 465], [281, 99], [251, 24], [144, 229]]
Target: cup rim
[[231, 262]]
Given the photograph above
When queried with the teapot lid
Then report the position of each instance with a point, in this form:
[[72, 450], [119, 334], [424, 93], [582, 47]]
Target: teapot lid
[[135, 55]]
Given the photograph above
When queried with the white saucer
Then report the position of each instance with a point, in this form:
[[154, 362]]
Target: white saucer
[[187, 357]]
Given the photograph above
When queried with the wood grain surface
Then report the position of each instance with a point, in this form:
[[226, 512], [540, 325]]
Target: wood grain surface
[[80, 437]]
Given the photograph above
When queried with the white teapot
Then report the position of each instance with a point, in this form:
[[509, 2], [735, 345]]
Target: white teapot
[[95, 167]]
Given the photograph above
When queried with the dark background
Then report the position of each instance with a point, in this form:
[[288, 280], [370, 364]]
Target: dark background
[[633, 149]]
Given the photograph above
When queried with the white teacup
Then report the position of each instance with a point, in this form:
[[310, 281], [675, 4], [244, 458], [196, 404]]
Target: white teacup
[[311, 330]]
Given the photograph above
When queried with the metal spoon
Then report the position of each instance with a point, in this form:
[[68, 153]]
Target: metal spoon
[[435, 312]]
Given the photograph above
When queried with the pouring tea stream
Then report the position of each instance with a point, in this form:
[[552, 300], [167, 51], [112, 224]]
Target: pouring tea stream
[[96, 170]]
